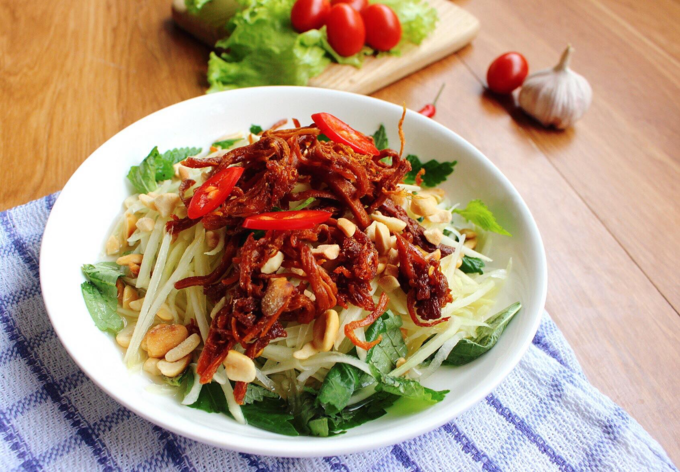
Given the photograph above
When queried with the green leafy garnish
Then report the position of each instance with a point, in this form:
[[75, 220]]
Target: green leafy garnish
[[179, 379], [384, 355], [255, 393], [472, 265], [380, 138], [408, 388], [305, 204], [467, 350], [477, 213], [338, 386], [322, 137], [157, 167], [104, 276], [417, 18], [255, 129], [435, 172], [227, 143], [102, 308]]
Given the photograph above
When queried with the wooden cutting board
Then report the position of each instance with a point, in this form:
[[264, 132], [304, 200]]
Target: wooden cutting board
[[455, 29]]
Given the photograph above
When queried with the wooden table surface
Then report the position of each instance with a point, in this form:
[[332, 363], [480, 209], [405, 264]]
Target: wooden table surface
[[605, 194]]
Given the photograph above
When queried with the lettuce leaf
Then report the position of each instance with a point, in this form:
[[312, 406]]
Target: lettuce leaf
[[478, 213], [264, 49], [157, 167], [418, 19], [104, 276]]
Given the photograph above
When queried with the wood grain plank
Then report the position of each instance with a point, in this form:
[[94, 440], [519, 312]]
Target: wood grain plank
[[455, 28], [622, 157], [73, 74], [625, 334]]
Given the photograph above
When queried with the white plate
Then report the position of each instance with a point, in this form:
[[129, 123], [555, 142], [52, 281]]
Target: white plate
[[86, 208]]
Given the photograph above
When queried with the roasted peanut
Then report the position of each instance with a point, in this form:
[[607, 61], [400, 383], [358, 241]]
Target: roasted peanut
[[130, 224], [388, 283], [326, 329], [435, 255], [239, 367], [165, 313], [151, 366], [347, 227], [442, 216], [173, 369], [273, 263], [136, 305], [145, 224], [470, 238], [307, 351], [393, 224], [129, 259], [328, 251], [370, 230], [212, 239], [163, 337], [392, 270], [401, 361], [125, 335], [424, 205], [381, 268], [129, 295], [148, 201], [184, 348], [383, 242], [393, 256], [166, 203], [112, 245], [434, 236]]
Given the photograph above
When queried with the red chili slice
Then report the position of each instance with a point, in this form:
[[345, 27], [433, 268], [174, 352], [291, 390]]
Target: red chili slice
[[340, 132], [286, 220], [213, 192]]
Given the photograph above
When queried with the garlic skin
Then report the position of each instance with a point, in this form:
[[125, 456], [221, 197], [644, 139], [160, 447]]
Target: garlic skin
[[556, 96]]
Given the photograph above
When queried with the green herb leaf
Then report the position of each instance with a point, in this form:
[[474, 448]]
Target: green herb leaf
[[338, 387], [380, 138], [435, 172], [418, 19], [178, 380], [255, 129], [271, 415], [478, 213], [319, 427], [173, 156], [143, 176], [227, 143], [468, 350], [384, 355], [408, 388], [255, 393], [472, 265], [102, 308], [322, 137], [104, 276], [356, 415], [211, 399]]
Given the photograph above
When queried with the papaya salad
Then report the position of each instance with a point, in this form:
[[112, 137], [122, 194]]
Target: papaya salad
[[303, 279]]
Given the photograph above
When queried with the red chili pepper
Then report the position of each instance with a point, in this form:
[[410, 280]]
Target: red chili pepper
[[213, 192], [287, 220], [429, 110], [340, 132]]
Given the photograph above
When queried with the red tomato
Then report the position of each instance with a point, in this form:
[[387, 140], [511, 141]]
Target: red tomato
[[287, 220], [340, 132], [309, 14], [213, 192], [358, 5], [507, 72], [383, 29], [346, 32]]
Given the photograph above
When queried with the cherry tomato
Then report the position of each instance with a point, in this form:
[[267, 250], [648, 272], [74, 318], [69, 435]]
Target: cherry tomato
[[309, 14], [340, 132], [213, 192], [507, 72], [287, 220], [346, 32], [358, 5], [383, 29]]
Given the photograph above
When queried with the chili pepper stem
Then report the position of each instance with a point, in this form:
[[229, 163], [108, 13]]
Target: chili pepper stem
[[441, 89]]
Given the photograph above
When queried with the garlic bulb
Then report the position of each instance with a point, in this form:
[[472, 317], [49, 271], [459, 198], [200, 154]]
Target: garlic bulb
[[557, 96]]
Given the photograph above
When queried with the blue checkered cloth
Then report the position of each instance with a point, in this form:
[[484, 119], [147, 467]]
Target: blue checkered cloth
[[544, 416]]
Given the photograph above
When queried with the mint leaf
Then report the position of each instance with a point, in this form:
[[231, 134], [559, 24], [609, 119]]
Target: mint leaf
[[435, 172], [104, 276], [408, 388], [478, 213], [143, 176], [173, 156], [338, 386], [227, 143], [103, 309], [211, 399], [472, 265], [468, 350], [384, 355], [255, 129], [255, 393], [380, 138]]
